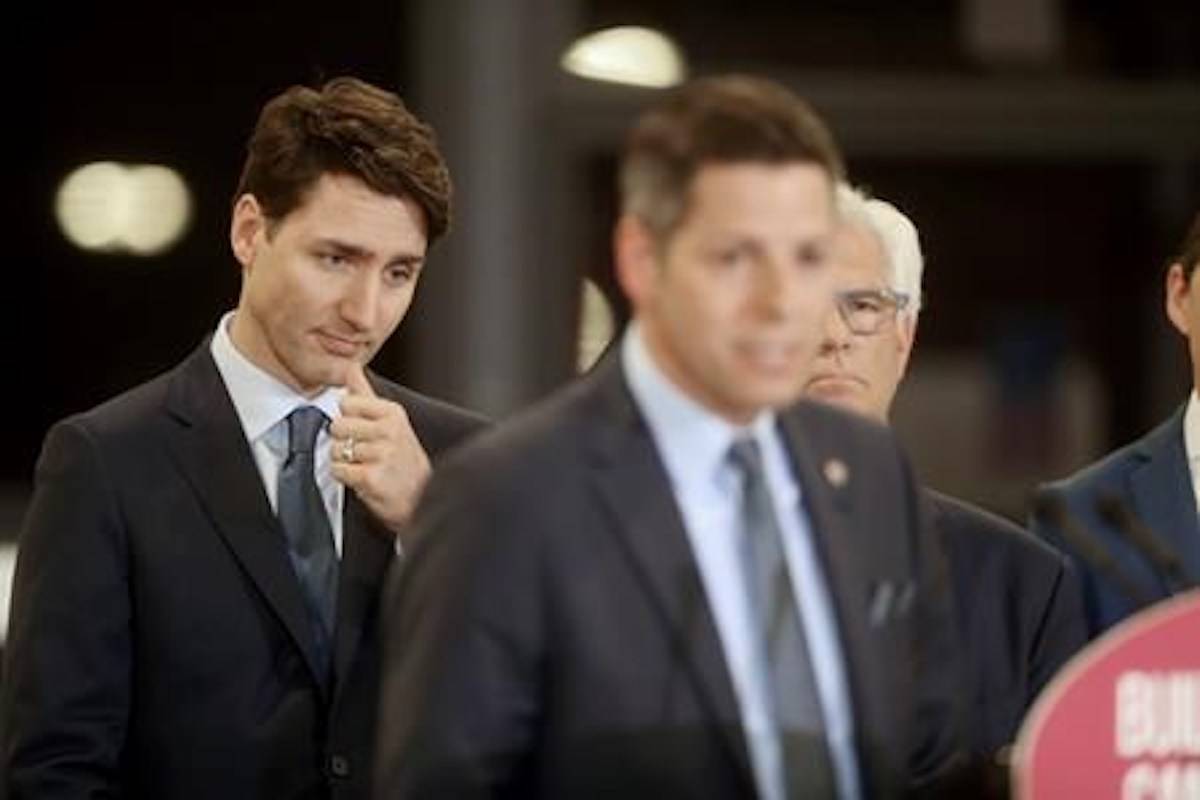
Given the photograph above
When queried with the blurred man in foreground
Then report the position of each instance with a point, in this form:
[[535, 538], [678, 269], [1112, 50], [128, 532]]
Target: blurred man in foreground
[[666, 582]]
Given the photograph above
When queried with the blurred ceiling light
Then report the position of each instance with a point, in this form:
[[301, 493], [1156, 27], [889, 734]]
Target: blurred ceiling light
[[141, 208], [597, 325], [629, 55]]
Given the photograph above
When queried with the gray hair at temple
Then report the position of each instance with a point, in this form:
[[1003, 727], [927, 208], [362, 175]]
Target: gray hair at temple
[[897, 234]]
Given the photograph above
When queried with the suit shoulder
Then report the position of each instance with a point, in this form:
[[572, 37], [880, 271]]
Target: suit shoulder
[[963, 523], [439, 424], [434, 407], [1110, 470], [125, 414], [540, 436], [821, 419]]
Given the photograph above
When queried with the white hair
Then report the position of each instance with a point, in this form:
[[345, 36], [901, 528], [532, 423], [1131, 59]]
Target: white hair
[[895, 232]]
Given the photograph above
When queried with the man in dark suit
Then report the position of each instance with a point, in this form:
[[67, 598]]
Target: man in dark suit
[[1154, 479], [1018, 603], [195, 602], [659, 583]]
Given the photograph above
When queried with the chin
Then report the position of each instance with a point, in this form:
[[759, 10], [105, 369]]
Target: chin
[[320, 376], [767, 400], [846, 400]]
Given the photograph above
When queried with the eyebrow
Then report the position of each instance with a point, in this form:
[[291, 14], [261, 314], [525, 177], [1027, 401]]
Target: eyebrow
[[357, 252]]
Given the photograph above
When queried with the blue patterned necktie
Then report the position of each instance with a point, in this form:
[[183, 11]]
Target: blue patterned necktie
[[309, 535], [792, 689]]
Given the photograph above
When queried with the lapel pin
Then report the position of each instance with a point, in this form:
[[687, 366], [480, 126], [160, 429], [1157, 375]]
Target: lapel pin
[[836, 472]]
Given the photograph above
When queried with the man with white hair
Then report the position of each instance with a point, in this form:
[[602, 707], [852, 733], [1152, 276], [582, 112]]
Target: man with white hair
[[1019, 604]]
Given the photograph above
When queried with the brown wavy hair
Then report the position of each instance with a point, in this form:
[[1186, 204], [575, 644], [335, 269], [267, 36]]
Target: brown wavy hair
[[347, 127]]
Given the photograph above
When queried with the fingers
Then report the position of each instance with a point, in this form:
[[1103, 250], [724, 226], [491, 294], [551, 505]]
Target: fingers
[[357, 477], [376, 452], [352, 475], [385, 473], [371, 427], [358, 451], [372, 408], [366, 428]]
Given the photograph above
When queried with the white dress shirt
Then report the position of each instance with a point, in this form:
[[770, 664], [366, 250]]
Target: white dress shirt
[[263, 404], [1191, 443], [694, 446]]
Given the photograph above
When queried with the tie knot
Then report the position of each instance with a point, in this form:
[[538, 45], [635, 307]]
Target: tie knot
[[303, 426], [746, 455]]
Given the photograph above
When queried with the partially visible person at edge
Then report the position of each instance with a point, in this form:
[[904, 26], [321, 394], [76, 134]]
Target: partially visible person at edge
[[1154, 480]]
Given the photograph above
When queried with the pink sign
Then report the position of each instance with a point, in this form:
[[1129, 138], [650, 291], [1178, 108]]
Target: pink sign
[[1122, 719]]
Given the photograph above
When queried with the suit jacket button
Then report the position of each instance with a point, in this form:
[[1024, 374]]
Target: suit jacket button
[[339, 766]]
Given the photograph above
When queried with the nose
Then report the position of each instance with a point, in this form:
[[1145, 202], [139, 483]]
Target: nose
[[775, 291], [359, 304]]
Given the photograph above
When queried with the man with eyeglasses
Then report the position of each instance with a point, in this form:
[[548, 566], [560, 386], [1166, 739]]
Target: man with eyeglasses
[[1019, 604]]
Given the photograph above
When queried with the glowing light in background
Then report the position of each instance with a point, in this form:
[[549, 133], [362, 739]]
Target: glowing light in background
[[140, 209], [597, 325], [629, 55]]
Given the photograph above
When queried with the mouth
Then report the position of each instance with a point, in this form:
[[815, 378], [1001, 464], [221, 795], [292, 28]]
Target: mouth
[[340, 346], [834, 384]]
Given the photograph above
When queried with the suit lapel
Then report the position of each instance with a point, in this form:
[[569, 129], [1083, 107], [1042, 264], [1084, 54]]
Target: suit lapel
[[841, 553], [636, 492], [210, 448], [1163, 496], [367, 549]]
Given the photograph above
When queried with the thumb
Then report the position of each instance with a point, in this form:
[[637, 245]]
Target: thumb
[[356, 381]]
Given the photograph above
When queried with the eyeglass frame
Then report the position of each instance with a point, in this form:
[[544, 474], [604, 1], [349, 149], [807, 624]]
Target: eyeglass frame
[[895, 302]]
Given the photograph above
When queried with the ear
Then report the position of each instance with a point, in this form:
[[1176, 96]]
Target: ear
[[636, 255], [1177, 290], [245, 226]]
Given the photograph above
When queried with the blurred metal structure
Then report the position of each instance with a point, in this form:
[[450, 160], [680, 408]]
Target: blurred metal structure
[[495, 323]]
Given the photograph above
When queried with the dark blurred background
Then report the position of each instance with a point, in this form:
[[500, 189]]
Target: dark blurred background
[[1048, 150]]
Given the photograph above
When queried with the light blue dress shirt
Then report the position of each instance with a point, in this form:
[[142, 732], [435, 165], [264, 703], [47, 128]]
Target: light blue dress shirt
[[263, 403], [694, 445]]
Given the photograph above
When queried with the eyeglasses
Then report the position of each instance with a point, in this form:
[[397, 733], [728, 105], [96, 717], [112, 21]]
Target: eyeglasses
[[866, 311]]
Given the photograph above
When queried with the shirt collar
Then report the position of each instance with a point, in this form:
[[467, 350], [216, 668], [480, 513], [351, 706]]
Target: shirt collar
[[261, 399], [693, 441], [1191, 429]]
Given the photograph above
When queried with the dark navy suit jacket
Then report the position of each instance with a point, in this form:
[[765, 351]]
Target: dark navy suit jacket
[[1151, 476], [550, 636], [1020, 614], [159, 643]]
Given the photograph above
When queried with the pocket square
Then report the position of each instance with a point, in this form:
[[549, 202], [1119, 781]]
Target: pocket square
[[880, 607], [890, 600]]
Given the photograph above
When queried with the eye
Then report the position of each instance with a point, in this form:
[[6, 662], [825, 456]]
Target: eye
[[866, 302], [399, 274], [812, 255], [730, 257], [333, 260]]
